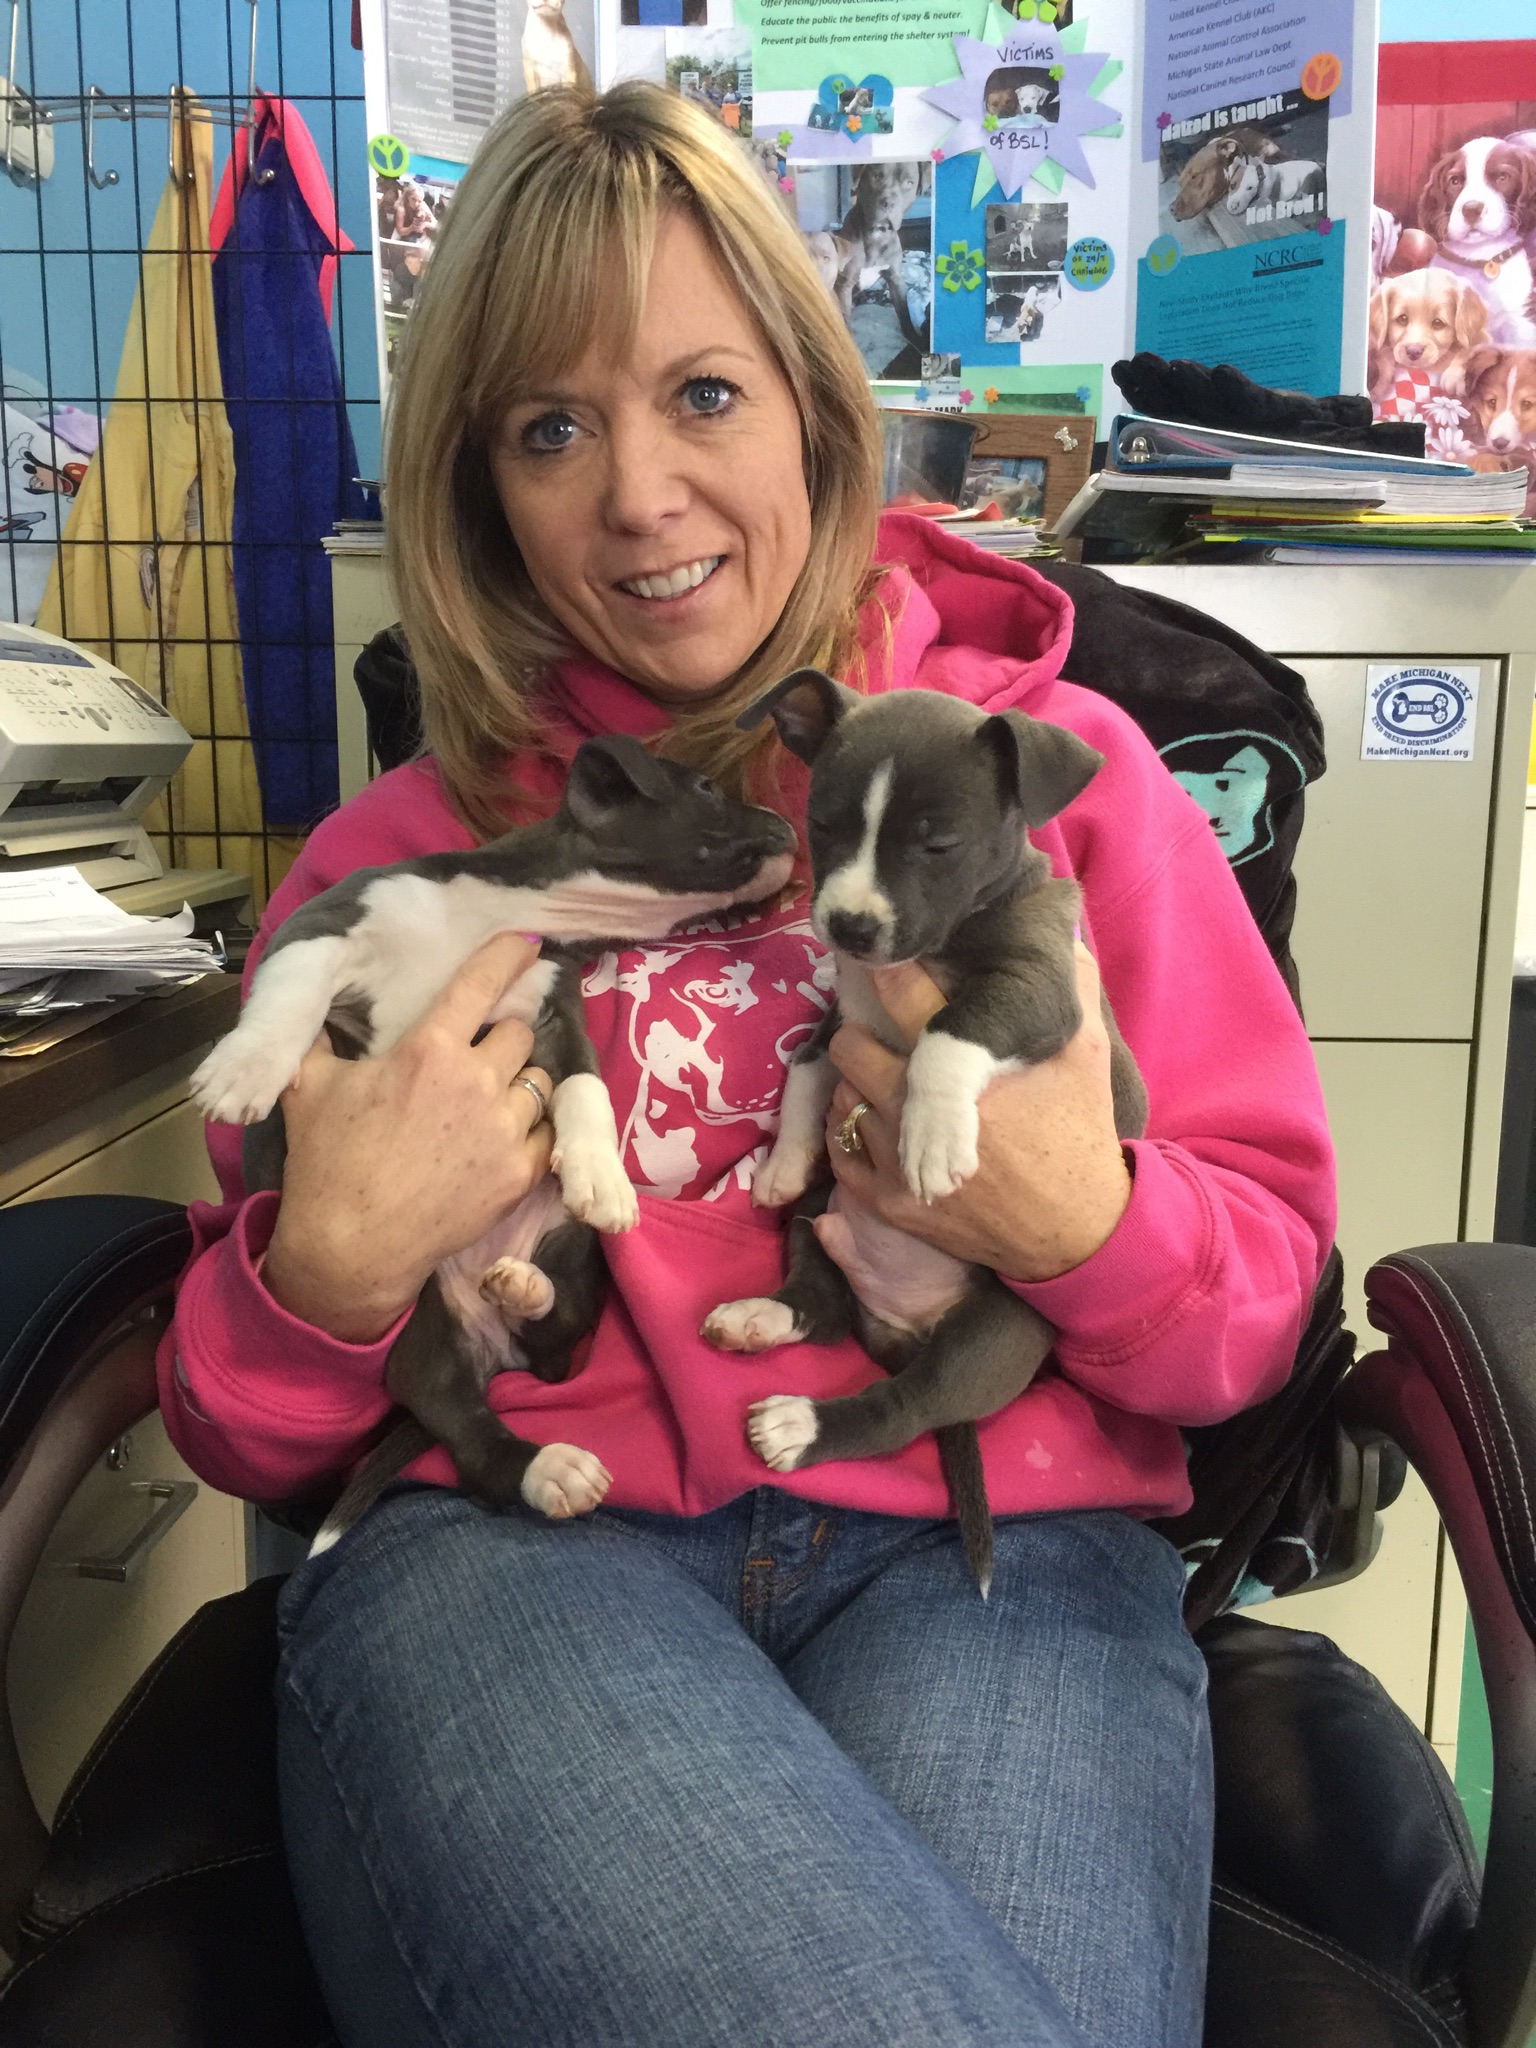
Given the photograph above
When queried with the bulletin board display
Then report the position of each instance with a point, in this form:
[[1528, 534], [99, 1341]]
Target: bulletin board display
[[1002, 199]]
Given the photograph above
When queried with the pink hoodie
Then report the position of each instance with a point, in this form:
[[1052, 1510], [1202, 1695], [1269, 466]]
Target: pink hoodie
[[1190, 1312]]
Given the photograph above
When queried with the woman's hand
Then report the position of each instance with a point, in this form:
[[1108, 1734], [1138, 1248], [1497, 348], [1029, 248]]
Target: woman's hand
[[396, 1163], [1053, 1181]]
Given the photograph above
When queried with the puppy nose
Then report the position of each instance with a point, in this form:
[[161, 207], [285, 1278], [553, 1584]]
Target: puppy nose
[[1413, 350], [853, 931], [1472, 209]]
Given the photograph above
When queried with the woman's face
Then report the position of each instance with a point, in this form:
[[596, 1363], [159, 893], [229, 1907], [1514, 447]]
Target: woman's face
[[659, 501]]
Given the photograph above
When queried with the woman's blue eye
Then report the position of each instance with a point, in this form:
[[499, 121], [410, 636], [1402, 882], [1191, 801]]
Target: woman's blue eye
[[709, 394], [547, 436]]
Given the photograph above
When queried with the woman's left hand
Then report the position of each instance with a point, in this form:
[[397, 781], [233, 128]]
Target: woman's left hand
[[1053, 1181]]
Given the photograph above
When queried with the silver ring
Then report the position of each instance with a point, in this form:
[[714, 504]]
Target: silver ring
[[522, 1081]]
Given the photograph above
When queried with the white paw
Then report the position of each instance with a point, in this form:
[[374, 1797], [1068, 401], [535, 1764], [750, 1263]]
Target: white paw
[[938, 1146], [755, 1324], [518, 1289], [241, 1079], [785, 1174], [595, 1187], [781, 1428], [563, 1481]]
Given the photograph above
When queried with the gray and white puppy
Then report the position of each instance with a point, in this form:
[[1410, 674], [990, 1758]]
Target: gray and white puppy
[[637, 847], [917, 818]]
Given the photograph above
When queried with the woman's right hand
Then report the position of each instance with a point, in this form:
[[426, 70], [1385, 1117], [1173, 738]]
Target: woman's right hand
[[396, 1163]]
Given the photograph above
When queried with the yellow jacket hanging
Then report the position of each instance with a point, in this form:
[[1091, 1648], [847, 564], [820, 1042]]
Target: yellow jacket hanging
[[144, 573]]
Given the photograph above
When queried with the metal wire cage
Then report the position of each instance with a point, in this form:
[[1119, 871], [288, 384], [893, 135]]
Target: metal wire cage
[[117, 123]]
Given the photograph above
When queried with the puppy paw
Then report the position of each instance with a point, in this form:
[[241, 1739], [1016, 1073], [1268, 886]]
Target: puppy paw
[[938, 1147], [518, 1289], [782, 1429], [595, 1187], [563, 1481], [241, 1079], [785, 1175], [755, 1324]]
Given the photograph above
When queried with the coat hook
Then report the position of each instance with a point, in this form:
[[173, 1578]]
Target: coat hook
[[259, 177], [103, 180]]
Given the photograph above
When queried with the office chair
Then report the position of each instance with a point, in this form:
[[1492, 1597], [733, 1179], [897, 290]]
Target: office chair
[[1347, 1911]]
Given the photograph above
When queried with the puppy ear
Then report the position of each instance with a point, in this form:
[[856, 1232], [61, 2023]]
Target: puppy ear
[[1041, 767], [1471, 323], [1525, 197], [1434, 200], [1480, 360], [804, 707], [1380, 314], [609, 773]]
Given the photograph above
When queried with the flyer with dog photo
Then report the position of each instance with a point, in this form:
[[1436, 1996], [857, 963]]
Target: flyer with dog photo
[[1244, 172], [1453, 296]]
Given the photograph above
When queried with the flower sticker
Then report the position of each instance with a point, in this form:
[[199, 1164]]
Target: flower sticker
[[963, 268], [967, 397], [991, 394]]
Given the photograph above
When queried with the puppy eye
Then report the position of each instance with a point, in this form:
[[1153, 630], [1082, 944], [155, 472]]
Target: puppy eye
[[941, 845], [703, 785]]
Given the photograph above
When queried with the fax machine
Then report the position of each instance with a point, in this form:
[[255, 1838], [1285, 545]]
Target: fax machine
[[84, 752]]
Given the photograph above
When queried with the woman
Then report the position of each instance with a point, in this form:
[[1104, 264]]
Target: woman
[[740, 1758]]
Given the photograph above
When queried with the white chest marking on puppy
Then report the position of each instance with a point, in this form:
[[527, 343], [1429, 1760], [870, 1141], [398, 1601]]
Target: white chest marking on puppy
[[940, 1124], [854, 888]]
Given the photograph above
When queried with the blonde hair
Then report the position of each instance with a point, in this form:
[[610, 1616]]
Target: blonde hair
[[546, 247]]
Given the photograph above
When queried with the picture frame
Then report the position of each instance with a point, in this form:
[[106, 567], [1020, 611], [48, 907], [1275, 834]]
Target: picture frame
[[1063, 442]]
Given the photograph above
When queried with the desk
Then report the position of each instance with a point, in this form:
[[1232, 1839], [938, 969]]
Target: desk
[[108, 1112]]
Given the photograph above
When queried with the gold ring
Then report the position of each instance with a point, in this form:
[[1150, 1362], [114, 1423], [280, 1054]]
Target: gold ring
[[522, 1081], [846, 1137]]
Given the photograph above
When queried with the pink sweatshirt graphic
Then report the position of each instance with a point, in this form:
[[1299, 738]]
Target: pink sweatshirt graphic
[[1191, 1311]]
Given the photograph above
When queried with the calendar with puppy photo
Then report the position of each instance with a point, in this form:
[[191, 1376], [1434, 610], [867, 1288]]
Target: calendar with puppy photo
[[1453, 277], [1244, 173]]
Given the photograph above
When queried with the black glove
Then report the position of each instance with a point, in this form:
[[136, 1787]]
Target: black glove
[[1225, 399]]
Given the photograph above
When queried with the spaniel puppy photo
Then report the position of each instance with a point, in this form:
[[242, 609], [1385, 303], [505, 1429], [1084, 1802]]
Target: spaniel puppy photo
[[1479, 203], [1501, 398], [1424, 320]]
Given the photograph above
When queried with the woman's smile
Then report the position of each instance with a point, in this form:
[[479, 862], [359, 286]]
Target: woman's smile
[[666, 586]]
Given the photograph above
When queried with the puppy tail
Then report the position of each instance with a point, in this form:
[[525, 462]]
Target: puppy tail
[[960, 1456], [407, 1440]]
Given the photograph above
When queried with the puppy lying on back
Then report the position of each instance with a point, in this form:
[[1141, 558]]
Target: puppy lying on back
[[637, 847], [918, 819]]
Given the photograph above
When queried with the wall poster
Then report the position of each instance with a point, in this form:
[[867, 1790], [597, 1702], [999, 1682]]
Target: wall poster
[[1453, 296], [1001, 199]]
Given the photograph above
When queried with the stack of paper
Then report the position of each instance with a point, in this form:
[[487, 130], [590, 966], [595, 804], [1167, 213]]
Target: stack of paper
[[63, 946], [1277, 498], [1013, 539]]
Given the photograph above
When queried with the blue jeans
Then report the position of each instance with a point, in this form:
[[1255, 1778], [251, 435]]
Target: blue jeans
[[772, 1777]]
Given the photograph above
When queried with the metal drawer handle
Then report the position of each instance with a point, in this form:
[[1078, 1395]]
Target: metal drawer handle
[[174, 1496]]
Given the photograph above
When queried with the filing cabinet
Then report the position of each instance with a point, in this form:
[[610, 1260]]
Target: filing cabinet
[[1407, 874]]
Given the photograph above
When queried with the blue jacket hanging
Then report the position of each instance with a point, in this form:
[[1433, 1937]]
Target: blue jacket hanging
[[294, 466]]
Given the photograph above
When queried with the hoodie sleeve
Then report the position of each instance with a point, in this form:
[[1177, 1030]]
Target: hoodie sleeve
[[259, 1404], [1193, 1308]]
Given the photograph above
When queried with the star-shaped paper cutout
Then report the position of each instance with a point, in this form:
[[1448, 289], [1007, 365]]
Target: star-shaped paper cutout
[[1015, 153]]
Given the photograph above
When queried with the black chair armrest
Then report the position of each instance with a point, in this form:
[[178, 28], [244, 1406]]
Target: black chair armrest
[[1456, 1388], [85, 1289], [71, 1269]]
